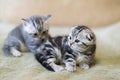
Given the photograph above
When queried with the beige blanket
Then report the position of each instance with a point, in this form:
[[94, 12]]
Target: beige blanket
[[107, 65]]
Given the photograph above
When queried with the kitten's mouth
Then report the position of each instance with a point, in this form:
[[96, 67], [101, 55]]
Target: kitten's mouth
[[82, 45]]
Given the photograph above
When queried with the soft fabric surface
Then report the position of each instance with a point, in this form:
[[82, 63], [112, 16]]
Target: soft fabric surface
[[107, 65]]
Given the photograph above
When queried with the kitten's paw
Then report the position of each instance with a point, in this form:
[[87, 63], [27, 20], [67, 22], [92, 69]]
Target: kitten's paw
[[16, 53], [84, 66], [70, 65], [58, 68], [70, 68]]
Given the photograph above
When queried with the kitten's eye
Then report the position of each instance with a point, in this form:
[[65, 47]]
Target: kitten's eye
[[70, 38], [35, 34], [77, 41]]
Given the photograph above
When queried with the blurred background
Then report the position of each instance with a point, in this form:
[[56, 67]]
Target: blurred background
[[64, 12]]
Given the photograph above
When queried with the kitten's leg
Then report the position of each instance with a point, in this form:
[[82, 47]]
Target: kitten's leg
[[52, 63], [6, 50], [83, 62], [52, 59], [12, 45], [70, 63], [48, 60], [84, 66], [15, 52], [16, 46]]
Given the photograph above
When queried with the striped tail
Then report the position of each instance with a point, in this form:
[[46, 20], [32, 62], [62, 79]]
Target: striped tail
[[43, 61]]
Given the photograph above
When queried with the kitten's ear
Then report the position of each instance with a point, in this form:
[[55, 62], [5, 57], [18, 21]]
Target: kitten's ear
[[72, 29], [24, 21], [47, 17]]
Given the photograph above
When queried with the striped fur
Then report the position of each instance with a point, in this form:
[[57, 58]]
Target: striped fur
[[68, 50], [49, 55], [26, 36]]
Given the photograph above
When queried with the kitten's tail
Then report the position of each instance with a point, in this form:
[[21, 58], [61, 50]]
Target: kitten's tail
[[43, 61], [6, 50]]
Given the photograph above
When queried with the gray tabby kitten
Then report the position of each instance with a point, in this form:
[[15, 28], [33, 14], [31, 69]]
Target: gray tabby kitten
[[76, 49], [27, 36], [80, 49]]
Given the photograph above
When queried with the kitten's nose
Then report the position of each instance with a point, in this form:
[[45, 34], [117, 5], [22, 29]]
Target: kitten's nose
[[42, 40], [72, 43], [40, 36]]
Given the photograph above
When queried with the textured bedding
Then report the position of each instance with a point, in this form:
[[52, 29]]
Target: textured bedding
[[107, 66]]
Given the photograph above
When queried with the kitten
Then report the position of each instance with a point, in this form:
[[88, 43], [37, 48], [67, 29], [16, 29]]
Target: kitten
[[26, 36], [77, 48], [80, 48]]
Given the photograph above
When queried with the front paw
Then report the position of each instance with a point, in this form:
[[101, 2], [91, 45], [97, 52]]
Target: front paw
[[70, 65], [16, 53], [84, 66], [58, 68], [70, 68]]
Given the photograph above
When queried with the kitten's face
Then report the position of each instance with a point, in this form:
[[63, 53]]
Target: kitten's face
[[36, 26], [80, 38]]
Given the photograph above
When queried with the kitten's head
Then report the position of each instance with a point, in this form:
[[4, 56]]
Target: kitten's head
[[36, 26], [80, 38]]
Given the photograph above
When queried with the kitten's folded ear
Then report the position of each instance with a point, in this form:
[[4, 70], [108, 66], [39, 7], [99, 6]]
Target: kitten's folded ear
[[47, 17]]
